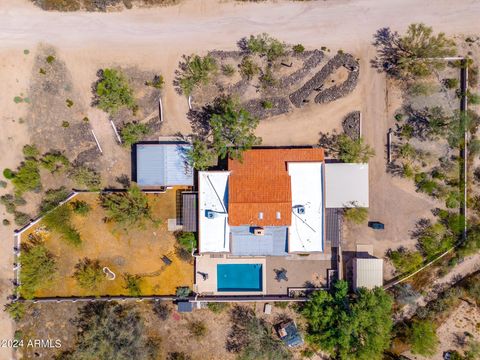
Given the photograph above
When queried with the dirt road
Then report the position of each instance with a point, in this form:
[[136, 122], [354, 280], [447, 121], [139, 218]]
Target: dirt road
[[157, 37]]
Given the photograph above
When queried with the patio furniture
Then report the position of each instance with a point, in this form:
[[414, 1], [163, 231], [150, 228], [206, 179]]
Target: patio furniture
[[166, 260], [281, 274]]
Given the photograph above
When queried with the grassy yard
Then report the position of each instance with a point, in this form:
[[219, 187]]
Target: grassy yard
[[137, 252]]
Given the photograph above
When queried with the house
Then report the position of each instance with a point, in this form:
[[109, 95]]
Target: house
[[267, 214]]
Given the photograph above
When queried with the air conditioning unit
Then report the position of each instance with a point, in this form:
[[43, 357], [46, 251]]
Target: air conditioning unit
[[210, 214], [301, 210], [259, 231]]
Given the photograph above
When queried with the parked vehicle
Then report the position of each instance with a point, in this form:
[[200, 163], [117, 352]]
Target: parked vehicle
[[376, 225]]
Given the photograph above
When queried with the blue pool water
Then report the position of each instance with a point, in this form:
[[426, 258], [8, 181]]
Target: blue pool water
[[239, 277]]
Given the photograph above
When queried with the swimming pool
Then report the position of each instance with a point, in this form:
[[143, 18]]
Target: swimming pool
[[239, 277]]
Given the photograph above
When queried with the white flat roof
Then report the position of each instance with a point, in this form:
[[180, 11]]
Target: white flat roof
[[367, 272], [213, 233], [346, 185], [307, 230]]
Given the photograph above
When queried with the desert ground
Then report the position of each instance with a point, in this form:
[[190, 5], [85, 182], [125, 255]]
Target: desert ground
[[155, 39]]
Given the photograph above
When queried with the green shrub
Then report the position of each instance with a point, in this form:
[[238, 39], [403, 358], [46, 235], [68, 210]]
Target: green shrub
[[299, 48], [228, 70], [263, 44], [27, 177], [30, 152], [59, 220], [407, 131], [187, 240], [17, 99], [473, 99], [65, 124], [399, 116], [16, 310], [196, 71], [267, 79], [8, 201], [69, 103], [21, 218], [405, 260], [55, 162], [217, 307], [52, 198], [423, 338], [357, 215], [453, 200], [50, 59], [422, 89], [3, 184], [80, 207], [133, 132], [127, 208], [266, 104], [452, 83], [355, 151], [248, 68], [281, 304], [197, 328], [157, 82], [183, 292], [113, 92], [85, 177], [38, 268], [132, 284], [89, 274], [435, 239], [8, 173], [6, 222], [162, 310]]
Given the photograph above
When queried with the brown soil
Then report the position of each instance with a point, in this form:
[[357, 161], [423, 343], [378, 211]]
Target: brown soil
[[136, 252]]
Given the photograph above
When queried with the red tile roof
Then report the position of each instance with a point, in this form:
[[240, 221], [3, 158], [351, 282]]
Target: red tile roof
[[259, 186]]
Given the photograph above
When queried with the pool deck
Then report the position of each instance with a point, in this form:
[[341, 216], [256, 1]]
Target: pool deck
[[302, 271]]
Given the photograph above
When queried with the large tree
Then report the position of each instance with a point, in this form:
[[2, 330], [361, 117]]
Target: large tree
[[38, 267], [110, 331], [232, 129], [128, 208], [356, 326], [89, 274], [423, 338], [416, 53], [200, 156]]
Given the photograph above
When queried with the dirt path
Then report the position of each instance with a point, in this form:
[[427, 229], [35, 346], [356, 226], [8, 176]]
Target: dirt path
[[470, 265]]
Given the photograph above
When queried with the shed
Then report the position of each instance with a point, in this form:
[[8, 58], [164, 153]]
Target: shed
[[163, 164], [367, 272], [184, 306]]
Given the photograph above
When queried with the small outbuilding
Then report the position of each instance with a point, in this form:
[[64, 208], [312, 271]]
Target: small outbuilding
[[367, 272], [163, 165]]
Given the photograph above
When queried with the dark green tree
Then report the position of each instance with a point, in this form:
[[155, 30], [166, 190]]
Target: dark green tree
[[200, 156], [113, 91], [423, 338], [233, 129], [89, 274], [350, 326], [128, 208]]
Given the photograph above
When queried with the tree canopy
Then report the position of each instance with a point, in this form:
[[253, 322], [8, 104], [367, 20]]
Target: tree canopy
[[127, 208], [353, 151], [416, 53], [89, 274], [200, 156], [354, 326], [113, 91], [423, 338], [38, 267], [232, 129]]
